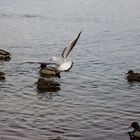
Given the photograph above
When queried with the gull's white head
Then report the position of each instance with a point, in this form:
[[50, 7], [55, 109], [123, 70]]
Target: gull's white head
[[53, 59]]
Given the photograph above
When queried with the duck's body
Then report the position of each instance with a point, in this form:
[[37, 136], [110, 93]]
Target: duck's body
[[135, 134], [4, 55], [47, 85], [48, 71], [131, 76], [2, 76]]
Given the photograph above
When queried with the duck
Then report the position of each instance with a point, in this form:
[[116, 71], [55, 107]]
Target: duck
[[2, 76], [135, 134], [4, 55], [132, 76], [48, 71], [47, 85]]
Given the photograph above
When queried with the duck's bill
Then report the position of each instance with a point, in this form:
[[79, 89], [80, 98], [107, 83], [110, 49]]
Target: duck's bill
[[126, 73], [66, 66]]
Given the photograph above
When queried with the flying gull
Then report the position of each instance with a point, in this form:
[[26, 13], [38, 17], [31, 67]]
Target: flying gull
[[61, 63], [55, 65]]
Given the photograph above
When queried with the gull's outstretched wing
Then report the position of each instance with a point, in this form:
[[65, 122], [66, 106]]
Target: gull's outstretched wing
[[61, 63], [69, 47]]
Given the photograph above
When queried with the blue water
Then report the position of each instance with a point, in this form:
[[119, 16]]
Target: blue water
[[95, 100]]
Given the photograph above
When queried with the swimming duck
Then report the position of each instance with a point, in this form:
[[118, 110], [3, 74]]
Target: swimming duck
[[47, 85], [4, 55], [131, 76], [2, 77], [135, 134], [47, 71]]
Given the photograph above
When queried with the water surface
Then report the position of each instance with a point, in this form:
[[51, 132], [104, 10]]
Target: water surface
[[95, 100]]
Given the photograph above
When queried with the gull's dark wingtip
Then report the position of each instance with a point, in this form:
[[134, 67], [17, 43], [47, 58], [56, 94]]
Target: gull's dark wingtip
[[80, 32], [78, 35]]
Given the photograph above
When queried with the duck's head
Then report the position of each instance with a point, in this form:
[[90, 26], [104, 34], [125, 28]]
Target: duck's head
[[7, 58], [135, 125], [130, 72], [43, 65]]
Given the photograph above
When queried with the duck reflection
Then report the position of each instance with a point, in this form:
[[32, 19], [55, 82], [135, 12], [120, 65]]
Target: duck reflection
[[47, 85], [2, 76]]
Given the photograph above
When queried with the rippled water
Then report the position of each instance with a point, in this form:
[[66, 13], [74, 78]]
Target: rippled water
[[95, 100]]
